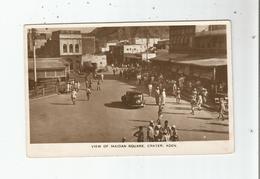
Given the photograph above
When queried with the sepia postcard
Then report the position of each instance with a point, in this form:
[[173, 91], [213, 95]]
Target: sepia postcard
[[139, 88]]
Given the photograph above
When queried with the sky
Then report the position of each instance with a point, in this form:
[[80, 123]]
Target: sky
[[89, 29], [49, 30]]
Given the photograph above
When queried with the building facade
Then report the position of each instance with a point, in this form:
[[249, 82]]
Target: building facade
[[135, 48], [88, 44], [211, 42], [98, 61], [150, 42], [181, 39], [115, 55]]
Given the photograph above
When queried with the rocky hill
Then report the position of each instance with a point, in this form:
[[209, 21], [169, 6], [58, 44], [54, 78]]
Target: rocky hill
[[105, 34]]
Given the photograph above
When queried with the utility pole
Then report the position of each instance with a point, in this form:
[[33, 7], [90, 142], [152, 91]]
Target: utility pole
[[34, 56]]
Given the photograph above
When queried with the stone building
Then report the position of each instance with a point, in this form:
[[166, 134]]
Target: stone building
[[181, 39]]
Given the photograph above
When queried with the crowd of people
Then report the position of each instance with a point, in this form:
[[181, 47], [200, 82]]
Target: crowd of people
[[157, 132], [73, 86]]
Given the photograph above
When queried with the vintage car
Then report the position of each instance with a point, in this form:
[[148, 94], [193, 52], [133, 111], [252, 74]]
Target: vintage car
[[133, 99]]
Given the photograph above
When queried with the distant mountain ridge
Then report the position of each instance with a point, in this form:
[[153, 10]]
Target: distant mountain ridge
[[105, 34]]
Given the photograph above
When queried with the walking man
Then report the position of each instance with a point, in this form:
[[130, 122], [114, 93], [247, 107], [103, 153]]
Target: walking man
[[157, 95], [102, 77], [193, 104], [150, 132], [73, 96], [163, 97], [204, 95], [88, 93], [178, 96], [199, 103], [98, 85], [87, 84], [222, 109], [150, 88]]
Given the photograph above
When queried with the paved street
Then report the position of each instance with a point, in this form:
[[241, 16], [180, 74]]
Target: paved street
[[104, 119]]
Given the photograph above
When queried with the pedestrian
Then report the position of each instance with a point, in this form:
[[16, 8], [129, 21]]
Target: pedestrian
[[87, 84], [157, 95], [73, 96], [68, 87], [78, 86], [157, 133], [102, 77], [163, 97], [160, 113], [152, 79], [194, 92], [88, 93], [204, 95], [98, 85], [222, 109], [139, 134], [150, 132], [138, 78], [178, 96], [193, 104], [150, 89], [174, 89], [165, 136], [166, 127], [199, 102], [114, 71], [174, 136], [90, 83]]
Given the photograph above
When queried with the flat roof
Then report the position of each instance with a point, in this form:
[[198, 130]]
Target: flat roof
[[47, 63], [210, 62]]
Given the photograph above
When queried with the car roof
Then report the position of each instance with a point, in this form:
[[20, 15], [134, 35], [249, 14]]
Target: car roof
[[133, 92]]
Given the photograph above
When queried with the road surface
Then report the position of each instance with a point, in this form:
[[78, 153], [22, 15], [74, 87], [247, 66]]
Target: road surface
[[55, 119]]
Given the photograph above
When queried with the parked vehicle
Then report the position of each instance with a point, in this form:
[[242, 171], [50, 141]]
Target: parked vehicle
[[133, 99]]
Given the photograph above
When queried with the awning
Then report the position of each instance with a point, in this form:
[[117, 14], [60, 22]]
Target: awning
[[46, 63], [210, 62]]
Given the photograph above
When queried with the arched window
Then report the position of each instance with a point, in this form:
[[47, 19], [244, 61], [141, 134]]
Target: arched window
[[77, 48], [71, 48], [65, 50]]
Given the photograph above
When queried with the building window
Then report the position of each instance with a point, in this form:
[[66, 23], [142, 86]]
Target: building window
[[65, 50], [77, 48], [71, 48]]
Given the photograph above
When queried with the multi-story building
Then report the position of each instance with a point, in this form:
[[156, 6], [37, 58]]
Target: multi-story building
[[36, 39], [70, 45], [135, 48], [98, 61], [205, 54], [186, 39], [107, 45], [211, 42], [88, 44], [181, 39], [115, 55], [150, 42]]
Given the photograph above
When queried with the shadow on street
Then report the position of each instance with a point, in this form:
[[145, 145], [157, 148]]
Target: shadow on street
[[202, 118], [140, 121], [219, 124], [61, 103], [119, 105]]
